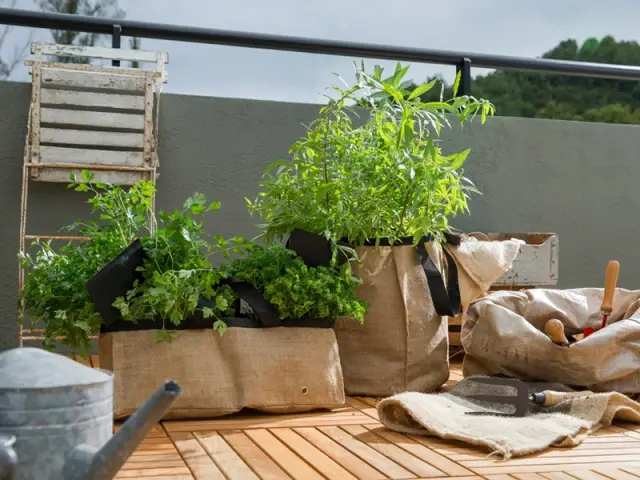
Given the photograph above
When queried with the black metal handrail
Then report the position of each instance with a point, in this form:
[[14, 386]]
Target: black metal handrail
[[182, 33]]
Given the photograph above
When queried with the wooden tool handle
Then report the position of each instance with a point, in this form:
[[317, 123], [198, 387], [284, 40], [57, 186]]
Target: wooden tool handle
[[555, 331], [610, 283], [549, 399]]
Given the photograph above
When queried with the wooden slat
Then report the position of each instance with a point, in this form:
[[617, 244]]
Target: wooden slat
[[339, 454], [88, 79], [84, 67], [472, 477], [616, 473], [282, 455], [553, 453], [94, 138], [253, 456], [366, 453], [588, 475], [549, 476], [270, 421], [363, 407], [91, 99], [507, 467], [33, 139], [74, 51], [539, 460], [527, 476], [403, 458], [196, 458], [321, 462], [440, 462], [133, 121], [55, 175], [224, 456], [156, 457], [148, 124], [155, 472], [49, 154]]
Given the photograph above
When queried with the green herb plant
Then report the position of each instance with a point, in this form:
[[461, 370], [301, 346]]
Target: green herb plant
[[177, 273], [296, 290], [381, 176], [55, 290]]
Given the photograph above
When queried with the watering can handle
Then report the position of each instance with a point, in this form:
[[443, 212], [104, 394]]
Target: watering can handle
[[8, 463]]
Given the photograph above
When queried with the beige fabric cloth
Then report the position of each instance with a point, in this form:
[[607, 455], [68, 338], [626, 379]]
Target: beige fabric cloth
[[480, 263], [403, 343], [269, 369], [566, 424], [503, 333]]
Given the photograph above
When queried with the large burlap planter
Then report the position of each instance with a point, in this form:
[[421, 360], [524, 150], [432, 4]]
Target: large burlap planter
[[503, 333], [403, 343], [280, 369]]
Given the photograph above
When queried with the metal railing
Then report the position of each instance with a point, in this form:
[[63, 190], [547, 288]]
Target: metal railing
[[463, 61]]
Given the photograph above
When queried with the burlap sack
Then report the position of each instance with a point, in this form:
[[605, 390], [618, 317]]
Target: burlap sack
[[565, 424], [480, 264], [403, 343], [503, 333], [270, 369]]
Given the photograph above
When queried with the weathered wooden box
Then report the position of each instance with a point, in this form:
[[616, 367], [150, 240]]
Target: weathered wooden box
[[535, 266]]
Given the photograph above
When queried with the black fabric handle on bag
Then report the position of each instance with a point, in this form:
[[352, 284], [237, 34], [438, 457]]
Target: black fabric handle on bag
[[266, 312], [446, 300]]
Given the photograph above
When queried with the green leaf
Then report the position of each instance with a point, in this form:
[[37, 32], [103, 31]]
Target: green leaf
[[456, 83], [275, 164], [459, 159], [221, 303], [422, 89], [220, 327]]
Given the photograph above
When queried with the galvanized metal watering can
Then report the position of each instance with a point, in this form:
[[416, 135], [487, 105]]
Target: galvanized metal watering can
[[56, 418]]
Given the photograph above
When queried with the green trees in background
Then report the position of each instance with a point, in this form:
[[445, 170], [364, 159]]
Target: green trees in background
[[536, 95]]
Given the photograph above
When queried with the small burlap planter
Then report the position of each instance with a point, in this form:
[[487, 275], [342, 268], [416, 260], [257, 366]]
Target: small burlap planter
[[269, 369], [566, 424], [403, 343]]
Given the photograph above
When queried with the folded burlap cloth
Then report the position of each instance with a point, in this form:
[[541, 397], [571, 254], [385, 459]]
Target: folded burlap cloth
[[480, 263], [566, 424]]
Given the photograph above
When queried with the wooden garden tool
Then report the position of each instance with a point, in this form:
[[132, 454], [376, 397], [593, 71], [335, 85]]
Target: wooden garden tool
[[610, 283], [555, 331], [521, 400]]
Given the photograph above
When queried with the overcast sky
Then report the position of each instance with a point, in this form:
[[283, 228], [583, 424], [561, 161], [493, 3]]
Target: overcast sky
[[510, 27]]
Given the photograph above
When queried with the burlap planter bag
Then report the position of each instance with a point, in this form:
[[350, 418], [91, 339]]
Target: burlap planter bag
[[281, 369], [504, 334], [403, 343]]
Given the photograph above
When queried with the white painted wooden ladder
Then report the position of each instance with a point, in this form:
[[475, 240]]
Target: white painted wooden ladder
[[89, 117]]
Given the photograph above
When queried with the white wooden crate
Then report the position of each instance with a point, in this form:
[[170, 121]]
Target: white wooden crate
[[537, 263], [535, 266], [93, 117]]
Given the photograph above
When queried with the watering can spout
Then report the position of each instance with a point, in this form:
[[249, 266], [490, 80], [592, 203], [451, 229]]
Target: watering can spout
[[87, 462]]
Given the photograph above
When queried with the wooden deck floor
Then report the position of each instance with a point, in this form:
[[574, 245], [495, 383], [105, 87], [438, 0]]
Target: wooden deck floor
[[350, 443]]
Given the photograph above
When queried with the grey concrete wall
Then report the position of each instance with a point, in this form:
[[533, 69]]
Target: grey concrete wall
[[576, 179]]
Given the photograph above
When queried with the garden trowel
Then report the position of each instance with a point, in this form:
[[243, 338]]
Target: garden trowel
[[521, 400]]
